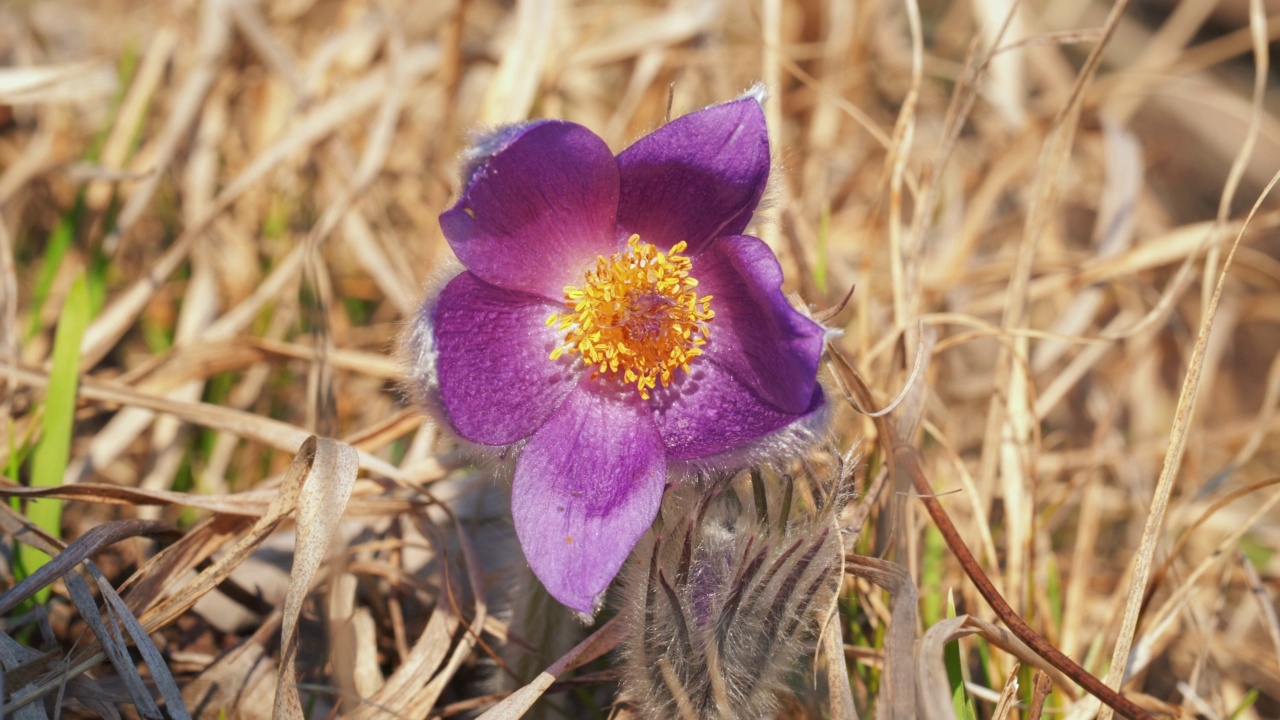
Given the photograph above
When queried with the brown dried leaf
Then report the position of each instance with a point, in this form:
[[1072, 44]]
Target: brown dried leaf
[[328, 483]]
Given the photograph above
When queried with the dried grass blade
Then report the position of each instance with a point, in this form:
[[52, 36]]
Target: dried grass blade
[[327, 116], [238, 318], [382, 433], [112, 644], [272, 432], [92, 696], [1004, 29], [283, 504], [56, 83], [171, 608], [16, 526], [12, 656], [146, 586], [899, 644], [933, 688], [107, 444], [87, 544], [321, 505], [155, 662], [902, 285], [387, 274], [770, 218], [842, 705], [354, 644], [31, 712], [598, 643], [249, 504], [22, 665], [341, 42], [15, 657], [426, 698], [515, 84], [1077, 592], [1190, 530], [382, 134], [423, 660], [240, 683], [200, 361], [370, 363], [174, 606], [1007, 705]]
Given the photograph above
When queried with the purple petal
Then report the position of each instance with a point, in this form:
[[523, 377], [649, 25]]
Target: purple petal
[[497, 383], [708, 412], [696, 178], [756, 335], [540, 205], [586, 488]]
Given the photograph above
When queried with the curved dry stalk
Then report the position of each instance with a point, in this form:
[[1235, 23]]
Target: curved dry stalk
[[903, 460]]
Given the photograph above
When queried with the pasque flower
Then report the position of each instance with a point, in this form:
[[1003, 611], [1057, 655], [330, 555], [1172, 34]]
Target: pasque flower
[[612, 322]]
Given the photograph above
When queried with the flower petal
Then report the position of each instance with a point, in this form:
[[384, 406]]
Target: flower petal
[[586, 488], [709, 412], [756, 335], [696, 178], [540, 205], [497, 383]]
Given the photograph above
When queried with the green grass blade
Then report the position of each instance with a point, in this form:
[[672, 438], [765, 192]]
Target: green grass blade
[[960, 699], [49, 460], [56, 249], [1249, 700], [931, 565]]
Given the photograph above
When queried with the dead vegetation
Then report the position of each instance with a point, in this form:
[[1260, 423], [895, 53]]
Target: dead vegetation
[[215, 216]]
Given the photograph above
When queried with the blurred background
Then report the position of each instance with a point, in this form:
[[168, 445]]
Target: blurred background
[[215, 218]]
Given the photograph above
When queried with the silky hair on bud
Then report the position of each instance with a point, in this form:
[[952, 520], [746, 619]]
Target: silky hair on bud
[[727, 593]]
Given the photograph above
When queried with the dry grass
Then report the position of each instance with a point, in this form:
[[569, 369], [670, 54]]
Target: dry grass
[[1053, 251]]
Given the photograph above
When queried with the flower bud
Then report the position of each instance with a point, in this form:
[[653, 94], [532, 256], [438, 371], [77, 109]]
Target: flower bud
[[729, 593]]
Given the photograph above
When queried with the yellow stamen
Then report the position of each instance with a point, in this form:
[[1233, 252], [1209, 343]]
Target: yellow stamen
[[636, 316]]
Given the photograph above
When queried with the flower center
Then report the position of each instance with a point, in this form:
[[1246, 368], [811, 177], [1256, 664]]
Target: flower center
[[637, 315]]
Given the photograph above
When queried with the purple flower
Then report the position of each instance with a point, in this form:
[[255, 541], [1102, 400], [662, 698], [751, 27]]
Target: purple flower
[[613, 322]]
